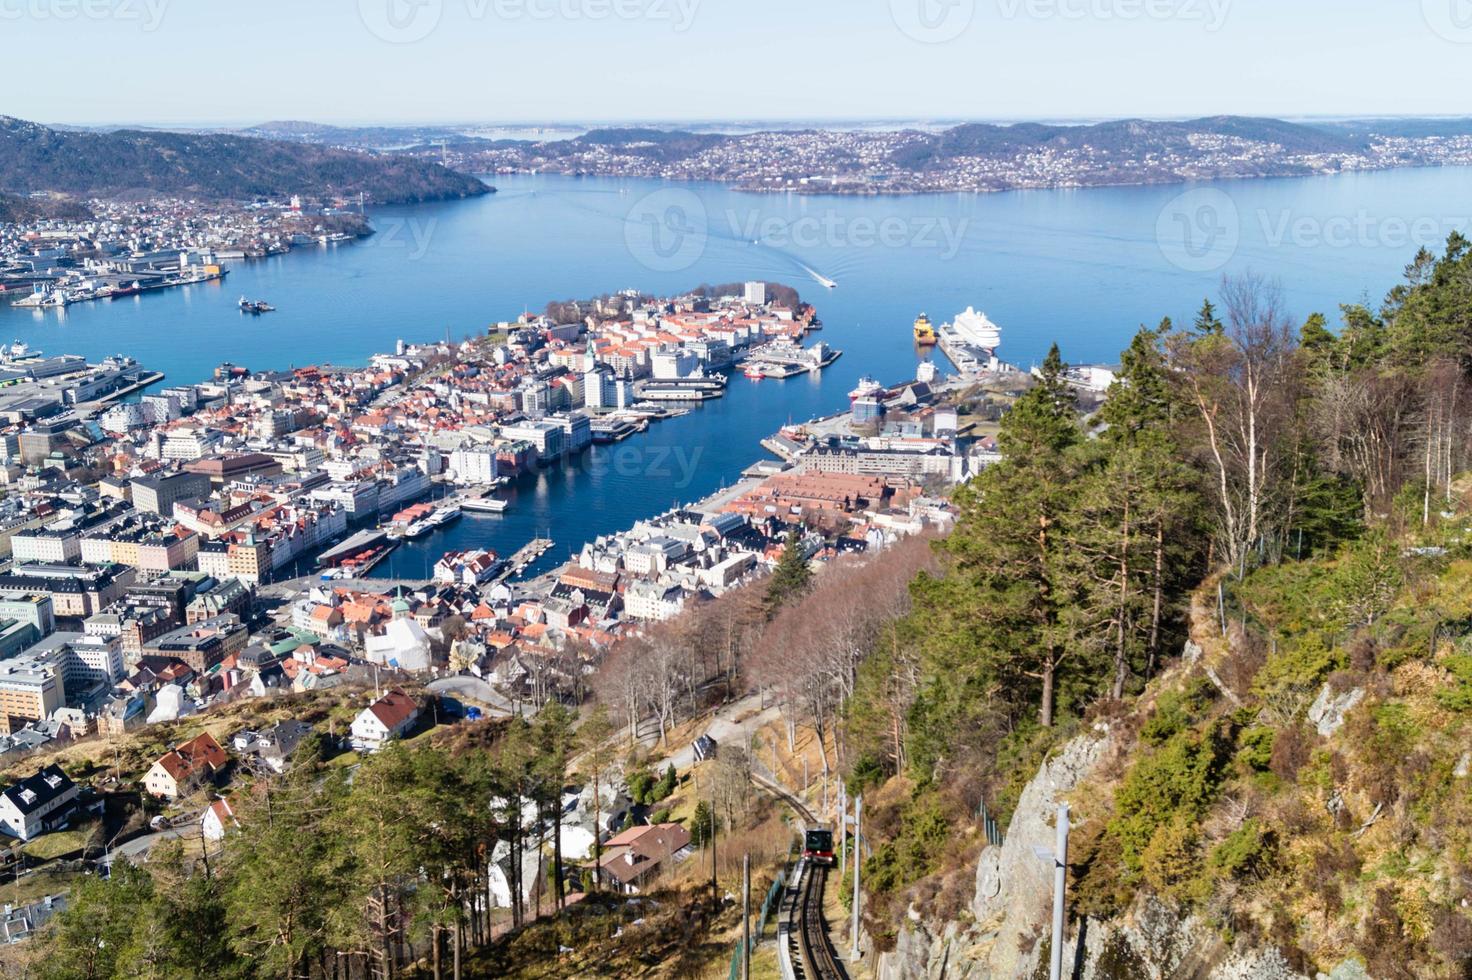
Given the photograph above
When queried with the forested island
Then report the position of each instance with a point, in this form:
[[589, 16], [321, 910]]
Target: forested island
[[142, 164]]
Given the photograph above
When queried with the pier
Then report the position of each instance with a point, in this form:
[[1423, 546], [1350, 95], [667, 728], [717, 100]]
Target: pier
[[524, 558]]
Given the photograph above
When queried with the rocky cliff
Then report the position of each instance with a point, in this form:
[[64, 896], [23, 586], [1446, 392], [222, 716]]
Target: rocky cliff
[[1007, 933]]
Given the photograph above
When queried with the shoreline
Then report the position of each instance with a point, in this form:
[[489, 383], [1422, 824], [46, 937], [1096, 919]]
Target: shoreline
[[740, 186]]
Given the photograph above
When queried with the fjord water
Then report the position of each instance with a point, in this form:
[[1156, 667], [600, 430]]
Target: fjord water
[[1082, 267]]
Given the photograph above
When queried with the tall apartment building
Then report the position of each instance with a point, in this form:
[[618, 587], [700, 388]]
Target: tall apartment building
[[28, 693], [158, 494]]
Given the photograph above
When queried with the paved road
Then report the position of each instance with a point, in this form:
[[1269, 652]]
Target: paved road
[[140, 846], [469, 686], [723, 727]]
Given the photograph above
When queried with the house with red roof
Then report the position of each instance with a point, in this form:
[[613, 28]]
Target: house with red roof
[[385, 719], [183, 769], [630, 862]]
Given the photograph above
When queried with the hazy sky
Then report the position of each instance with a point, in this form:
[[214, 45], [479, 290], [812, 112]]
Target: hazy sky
[[242, 61]]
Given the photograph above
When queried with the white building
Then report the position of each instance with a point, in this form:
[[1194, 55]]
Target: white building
[[387, 718], [653, 602], [473, 466], [218, 819], [546, 436], [671, 363], [32, 806], [756, 294], [403, 644], [187, 443]]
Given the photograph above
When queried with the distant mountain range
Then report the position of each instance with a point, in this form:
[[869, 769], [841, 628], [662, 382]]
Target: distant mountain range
[[403, 163], [146, 163]]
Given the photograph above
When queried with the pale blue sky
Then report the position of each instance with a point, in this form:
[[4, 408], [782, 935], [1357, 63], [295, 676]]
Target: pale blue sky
[[242, 61]]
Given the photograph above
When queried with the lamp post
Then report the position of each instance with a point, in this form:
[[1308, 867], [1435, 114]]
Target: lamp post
[[1059, 857]]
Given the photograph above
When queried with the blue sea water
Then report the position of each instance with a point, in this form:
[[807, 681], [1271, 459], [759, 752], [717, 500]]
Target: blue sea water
[[1081, 267]]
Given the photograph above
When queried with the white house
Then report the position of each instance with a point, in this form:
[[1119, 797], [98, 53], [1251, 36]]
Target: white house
[[218, 819], [38, 803], [387, 718]]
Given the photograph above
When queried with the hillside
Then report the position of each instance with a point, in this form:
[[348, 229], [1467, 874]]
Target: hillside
[[1246, 665], [1127, 137], [17, 209], [149, 163]]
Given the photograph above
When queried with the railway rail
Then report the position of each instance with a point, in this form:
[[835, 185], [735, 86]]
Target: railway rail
[[803, 948], [804, 951]]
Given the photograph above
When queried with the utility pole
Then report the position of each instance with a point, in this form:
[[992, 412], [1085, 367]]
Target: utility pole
[[715, 897], [842, 833], [746, 916], [1060, 882], [858, 863]]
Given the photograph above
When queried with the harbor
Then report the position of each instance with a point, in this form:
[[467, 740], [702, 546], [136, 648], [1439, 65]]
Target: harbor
[[784, 359], [60, 291]]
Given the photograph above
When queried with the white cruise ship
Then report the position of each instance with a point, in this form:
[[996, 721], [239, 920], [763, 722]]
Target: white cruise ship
[[971, 342], [977, 330]]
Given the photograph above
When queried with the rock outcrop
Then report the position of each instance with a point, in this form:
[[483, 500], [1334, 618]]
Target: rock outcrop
[[1011, 909], [1328, 711], [1014, 888]]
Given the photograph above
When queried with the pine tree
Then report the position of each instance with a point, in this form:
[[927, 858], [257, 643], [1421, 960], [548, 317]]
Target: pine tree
[[792, 576], [994, 627], [1207, 322]]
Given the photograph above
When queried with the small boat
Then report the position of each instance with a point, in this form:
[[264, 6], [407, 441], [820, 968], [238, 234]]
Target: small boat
[[256, 307], [755, 372]]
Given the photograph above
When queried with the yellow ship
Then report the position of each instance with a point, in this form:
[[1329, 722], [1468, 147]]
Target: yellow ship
[[924, 332]]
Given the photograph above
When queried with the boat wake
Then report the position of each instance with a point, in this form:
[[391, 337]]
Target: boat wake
[[821, 279]]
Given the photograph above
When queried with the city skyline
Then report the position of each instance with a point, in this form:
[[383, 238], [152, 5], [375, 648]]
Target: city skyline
[[675, 61]]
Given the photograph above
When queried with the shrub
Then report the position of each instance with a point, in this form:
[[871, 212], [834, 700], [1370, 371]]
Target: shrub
[[1458, 695], [1292, 749], [1178, 780], [666, 785], [1172, 860], [641, 785], [1176, 710], [1246, 851], [1256, 754], [1299, 666], [917, 849]]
